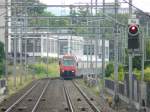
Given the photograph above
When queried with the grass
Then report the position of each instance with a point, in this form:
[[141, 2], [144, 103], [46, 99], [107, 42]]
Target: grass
[[40, 70], [37, 71], [12, 89]]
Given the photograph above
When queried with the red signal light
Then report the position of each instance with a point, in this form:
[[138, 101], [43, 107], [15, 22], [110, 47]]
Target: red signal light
[[133, 29]]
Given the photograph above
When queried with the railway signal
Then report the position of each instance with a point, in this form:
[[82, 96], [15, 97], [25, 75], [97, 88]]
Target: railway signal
[[133, 36], [133, 33]]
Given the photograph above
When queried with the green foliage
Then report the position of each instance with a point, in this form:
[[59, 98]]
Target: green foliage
[[137, 73], [41, 69], [147, 63], [137, 62], [146, 74], [50, 60], [2, 58], [109, 69], [2, 53], [121, 73], [110, 72]]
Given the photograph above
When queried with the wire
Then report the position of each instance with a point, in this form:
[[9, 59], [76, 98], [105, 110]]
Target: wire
[[137, 8], [2, 14]]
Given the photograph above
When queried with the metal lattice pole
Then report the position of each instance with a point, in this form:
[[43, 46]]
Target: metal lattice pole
[[103, 52], [15, 46], [130, 67], [21, 67], [6, 44], [47, 45], [116, 96], [25, 30]]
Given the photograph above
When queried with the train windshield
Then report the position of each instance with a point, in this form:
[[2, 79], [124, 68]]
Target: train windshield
[[68, 62]]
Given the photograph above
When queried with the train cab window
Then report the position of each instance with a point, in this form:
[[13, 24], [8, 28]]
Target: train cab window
[[68, 62]]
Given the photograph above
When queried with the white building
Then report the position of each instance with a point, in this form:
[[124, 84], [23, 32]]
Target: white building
[[38, 44], [79, 47], [2, 21]]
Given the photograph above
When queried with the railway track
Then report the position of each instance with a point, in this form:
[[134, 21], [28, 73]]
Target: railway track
[[53, 96], [77, 100], [29, 101], [54, 99]]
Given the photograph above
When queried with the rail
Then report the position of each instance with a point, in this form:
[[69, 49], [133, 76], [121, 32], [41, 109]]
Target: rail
[[93, 106], [68, 99], [39, 99], [21, 98]]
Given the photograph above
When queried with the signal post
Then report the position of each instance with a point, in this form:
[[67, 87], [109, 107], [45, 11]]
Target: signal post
[[133, 48]]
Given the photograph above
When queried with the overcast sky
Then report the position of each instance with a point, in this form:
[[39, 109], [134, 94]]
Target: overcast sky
[[142, 4]]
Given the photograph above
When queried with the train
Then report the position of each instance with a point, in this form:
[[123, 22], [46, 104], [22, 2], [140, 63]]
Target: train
[[68, 67]]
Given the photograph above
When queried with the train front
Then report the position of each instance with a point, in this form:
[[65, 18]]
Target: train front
[[68, 67]]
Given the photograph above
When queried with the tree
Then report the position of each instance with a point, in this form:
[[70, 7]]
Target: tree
[[2, 58], [147, 63]]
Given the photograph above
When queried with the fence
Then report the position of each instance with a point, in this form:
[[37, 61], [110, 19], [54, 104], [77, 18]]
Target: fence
[[136, 92]]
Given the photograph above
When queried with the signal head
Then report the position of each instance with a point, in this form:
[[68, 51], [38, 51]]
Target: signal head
[[133, 30]]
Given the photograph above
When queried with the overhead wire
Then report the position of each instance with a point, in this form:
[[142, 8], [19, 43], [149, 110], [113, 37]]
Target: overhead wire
[[137, 8]]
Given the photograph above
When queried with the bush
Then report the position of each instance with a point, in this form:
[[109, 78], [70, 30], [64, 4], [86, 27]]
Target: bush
[[137, 73], [50, 60], [2, 58], [121, 73], [146, 74], [109, 70], [41, 69]]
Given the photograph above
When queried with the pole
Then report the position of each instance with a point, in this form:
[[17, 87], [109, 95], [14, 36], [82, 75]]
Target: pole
[[147, 29], [26, 69], [96, 45], [26, 24], [130, 81], [21, 69], [116, 96], [58, 48], [47, 53], [87, 48], [87, 53], [71, 31], [33, 50], [96, 53], [125, 41], [91, 55], [142, 74], [6, 45], [103, 53], [33, 55], [130, 8], [15, 45], [96, 2], [130, 67], [91, 7]]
